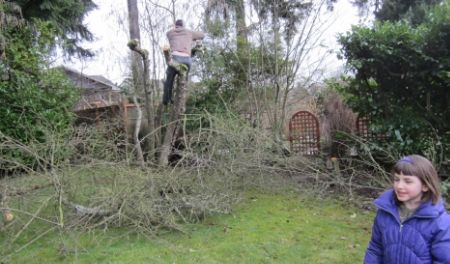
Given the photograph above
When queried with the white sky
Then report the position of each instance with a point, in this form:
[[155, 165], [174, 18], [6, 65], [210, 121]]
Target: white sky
[[109, 44], [111, 39]]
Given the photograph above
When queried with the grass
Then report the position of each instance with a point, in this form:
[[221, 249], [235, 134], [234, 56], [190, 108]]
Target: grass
[[263, 228]]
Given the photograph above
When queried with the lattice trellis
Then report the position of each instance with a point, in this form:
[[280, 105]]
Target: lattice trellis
[[364, 131], [304, 133]]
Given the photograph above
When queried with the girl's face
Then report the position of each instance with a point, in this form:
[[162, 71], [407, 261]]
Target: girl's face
[[409, 190]]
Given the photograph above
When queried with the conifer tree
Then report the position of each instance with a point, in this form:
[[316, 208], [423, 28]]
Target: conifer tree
[[65, 17]]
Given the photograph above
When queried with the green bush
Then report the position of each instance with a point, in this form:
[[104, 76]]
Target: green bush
[[401, 81], [35, 101]]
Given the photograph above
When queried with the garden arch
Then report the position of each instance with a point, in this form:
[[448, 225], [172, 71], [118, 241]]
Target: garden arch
[[304, 135]]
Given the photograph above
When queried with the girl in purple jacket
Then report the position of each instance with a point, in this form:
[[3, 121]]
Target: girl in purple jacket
[[411, 225]]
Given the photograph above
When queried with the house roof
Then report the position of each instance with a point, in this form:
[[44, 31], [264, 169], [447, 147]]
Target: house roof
[[96, 91], [87, 82]]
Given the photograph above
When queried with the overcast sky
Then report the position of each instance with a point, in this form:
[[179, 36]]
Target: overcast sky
[[111, 39]]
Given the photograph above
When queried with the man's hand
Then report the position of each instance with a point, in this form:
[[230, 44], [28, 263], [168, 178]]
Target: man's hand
[[165, 48], [198, 48], [166, 52]]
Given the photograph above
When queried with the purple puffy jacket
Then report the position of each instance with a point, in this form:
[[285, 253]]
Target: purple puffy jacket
[[424, 238]]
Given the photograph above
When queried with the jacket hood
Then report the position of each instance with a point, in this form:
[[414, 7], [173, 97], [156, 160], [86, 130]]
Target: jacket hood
[[387, 202]]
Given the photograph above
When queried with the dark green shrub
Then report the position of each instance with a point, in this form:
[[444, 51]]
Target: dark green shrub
[[402, 81], [35, 101]]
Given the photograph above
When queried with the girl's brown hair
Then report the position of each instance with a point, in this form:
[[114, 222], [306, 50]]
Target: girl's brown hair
[[416, 165]]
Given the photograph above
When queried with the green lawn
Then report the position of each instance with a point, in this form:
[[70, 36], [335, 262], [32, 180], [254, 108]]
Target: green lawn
[[264, 228]]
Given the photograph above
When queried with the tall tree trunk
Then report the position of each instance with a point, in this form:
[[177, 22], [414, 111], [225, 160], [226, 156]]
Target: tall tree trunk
[[136, 66], [242, 50], [133, 19], [276, 44], [241, 28]]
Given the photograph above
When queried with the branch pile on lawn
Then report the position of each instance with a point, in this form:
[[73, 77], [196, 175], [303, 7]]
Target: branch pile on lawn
[[218, 161]]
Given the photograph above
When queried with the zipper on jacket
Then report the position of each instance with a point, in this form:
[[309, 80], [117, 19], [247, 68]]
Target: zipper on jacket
[[394, 216]]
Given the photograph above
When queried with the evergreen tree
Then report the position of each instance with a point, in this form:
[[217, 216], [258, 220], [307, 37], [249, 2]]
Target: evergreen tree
[[401, 80], [394, 10], [66, 19], [36, 102]]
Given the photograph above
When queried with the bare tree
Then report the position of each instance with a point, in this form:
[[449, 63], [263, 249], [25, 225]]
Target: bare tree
[[289, 31], [227, 13]]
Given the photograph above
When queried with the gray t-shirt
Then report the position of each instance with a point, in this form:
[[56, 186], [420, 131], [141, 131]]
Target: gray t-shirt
[[404, 212]]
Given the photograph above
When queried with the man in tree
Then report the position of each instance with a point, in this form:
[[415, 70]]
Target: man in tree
[[180, 40]]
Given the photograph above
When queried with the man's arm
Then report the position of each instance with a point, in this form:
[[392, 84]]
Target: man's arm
[[197, 35]]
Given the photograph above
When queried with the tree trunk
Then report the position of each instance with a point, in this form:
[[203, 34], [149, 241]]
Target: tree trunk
[[175, 116], [133, 19], [150, 140], [242, 50], [137, 142], [139, 68], [241, 28], [277, 43], [135, 35]]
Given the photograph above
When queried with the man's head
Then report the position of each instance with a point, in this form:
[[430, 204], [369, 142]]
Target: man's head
[[179, 23]]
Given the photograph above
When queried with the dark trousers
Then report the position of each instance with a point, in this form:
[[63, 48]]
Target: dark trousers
[[171, 73]]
